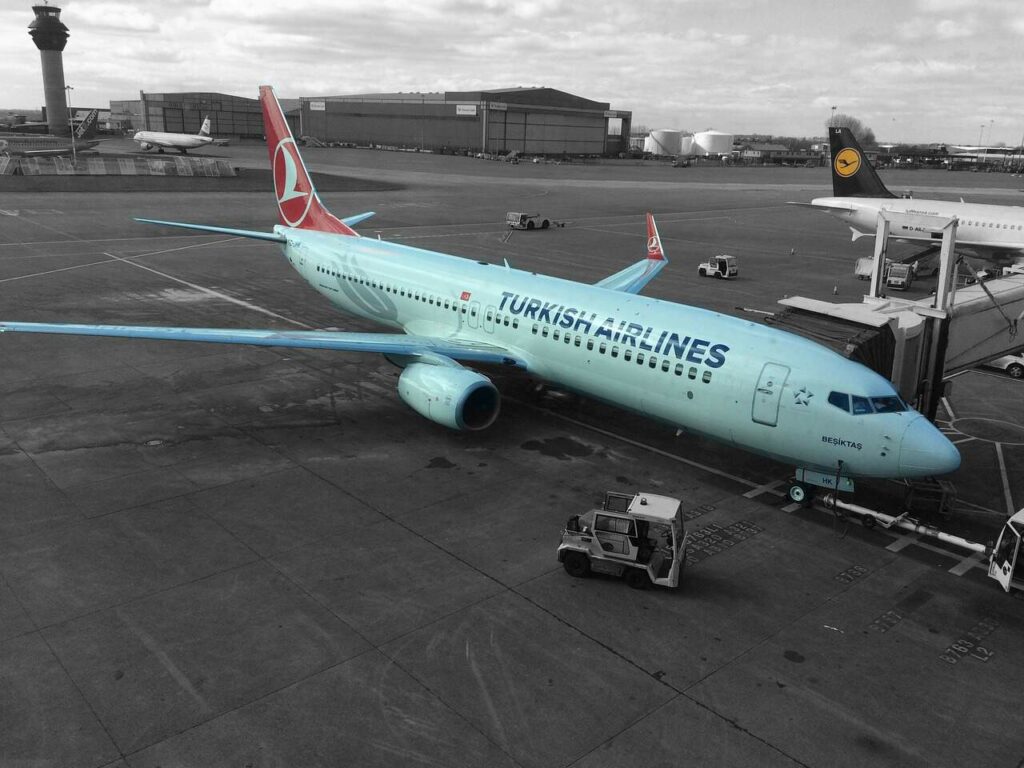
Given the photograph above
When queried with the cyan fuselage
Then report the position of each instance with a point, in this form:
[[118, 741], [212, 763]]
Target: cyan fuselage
[[764, 390]]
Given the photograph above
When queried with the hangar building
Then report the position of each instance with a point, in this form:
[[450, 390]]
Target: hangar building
[[540, 121], [230, 116]]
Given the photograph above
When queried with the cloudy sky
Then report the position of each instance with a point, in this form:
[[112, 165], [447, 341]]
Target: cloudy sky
[[913, 70]]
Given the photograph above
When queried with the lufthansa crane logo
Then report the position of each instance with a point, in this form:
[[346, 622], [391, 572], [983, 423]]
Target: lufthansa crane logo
[[293, 189], [847, 162]]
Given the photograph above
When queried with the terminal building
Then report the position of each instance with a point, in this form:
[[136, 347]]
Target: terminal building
[[541, 121]]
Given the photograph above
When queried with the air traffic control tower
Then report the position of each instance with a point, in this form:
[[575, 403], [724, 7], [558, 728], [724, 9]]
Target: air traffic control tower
[[50, 36]]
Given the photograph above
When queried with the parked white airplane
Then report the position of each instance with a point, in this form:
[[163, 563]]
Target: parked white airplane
[[179, 141], [994, 232], [749, 385]]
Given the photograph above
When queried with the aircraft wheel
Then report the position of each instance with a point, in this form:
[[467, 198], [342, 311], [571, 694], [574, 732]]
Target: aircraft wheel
[[799, 493], [576, 564], [1016, 371], [636, 578]]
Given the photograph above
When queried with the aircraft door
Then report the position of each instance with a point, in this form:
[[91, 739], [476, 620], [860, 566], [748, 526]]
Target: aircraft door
[[1004, 557], [489, 319], [765, 409], [473, 317]]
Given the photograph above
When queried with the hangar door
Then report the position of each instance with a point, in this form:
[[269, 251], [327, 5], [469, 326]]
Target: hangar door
[[768, 393]]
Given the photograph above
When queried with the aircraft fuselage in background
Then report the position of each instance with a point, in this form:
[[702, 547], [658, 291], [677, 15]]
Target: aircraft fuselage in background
[[995, 232]]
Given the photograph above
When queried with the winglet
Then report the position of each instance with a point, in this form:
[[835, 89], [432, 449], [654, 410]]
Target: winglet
[[633, 278], [654, 250], [298, 204]]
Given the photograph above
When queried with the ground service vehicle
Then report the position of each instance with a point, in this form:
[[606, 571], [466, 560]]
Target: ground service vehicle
[[526, 220], [1006, 565], [1012, 364], [722, 266], [899, 277], [638, 536]]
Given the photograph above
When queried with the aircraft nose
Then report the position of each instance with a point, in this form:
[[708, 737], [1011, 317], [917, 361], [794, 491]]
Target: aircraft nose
[[925, 451]]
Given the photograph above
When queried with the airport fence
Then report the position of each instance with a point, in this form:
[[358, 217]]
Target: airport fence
[[117, 166]]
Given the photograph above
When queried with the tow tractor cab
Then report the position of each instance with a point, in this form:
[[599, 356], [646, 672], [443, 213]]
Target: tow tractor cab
[[637, 536], [517, 220], [723, 267], [1006, 563]]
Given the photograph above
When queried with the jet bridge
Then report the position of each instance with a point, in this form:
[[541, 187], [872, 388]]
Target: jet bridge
[[917, 343]]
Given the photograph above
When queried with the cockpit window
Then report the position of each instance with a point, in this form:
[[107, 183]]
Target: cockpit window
[[840, 400], [861, 405], [889, 404]]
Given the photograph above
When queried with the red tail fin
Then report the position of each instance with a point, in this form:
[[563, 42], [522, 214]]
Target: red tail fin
[[297, 202]]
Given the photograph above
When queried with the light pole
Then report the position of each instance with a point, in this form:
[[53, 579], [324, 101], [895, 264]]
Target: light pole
[[71, 122], [832, 120], [981, 130]]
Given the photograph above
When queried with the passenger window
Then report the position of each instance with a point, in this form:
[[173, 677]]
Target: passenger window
[[840, 400], [578, 341], [692, 374], [653, 362], [554, 334], [567, 338], [544, 332], [535, 329], [615, 351], [665, 364], [639, 358], [861, 405], [679, 369], [706, 378], [603, 348], [515, 323], [627, 355], [590, 345]]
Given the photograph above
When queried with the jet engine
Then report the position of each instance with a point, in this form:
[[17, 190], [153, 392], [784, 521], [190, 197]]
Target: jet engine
[[146, 146], [451, 395]]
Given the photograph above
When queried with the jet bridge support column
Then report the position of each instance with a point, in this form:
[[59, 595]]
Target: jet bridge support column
[[935, 363], [881, 246]]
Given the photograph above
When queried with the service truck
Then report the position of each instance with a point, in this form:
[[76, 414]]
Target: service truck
[[638, 536]]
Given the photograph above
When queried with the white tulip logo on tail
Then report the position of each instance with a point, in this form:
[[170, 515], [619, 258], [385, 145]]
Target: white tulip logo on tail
[[293, 188]]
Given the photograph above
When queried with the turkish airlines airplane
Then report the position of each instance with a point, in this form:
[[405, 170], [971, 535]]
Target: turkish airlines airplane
[[752, 386], [179, 141], [993, 232]]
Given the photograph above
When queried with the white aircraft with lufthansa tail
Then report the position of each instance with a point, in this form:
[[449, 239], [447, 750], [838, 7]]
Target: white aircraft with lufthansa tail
[[179, 141], [748, 385], [993, 232]]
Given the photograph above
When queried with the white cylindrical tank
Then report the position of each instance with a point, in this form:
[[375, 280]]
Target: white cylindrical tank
[[648, 145], [712, 143], [686, 146], [665, 141]]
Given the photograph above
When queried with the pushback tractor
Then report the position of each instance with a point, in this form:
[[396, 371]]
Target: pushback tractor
[[639, 536]]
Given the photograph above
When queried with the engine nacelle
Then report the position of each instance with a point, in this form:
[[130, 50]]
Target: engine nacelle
[[451, 395], [146, 146]]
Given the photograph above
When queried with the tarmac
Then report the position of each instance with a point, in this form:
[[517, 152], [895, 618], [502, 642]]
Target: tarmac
[[225, 556]]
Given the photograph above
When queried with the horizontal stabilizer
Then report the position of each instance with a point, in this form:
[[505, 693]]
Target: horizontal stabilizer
[[271, 236], [351, 221], [397, 344]]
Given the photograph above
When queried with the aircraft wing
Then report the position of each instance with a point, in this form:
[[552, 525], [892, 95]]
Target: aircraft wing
[[398, 344], [633, 278]]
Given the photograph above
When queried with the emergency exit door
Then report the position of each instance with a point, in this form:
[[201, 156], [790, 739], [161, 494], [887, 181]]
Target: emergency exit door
[[768, 393]]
